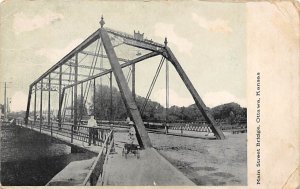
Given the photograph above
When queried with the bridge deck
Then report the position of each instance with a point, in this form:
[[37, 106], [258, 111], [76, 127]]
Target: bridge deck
[[151, 169]]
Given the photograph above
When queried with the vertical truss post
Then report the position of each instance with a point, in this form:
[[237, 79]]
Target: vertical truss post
[[100, 99], [72, 103], [41, 106], [5, 102], [101, 88], [59, 96], [60, 106], [200, 104], [34, 108], [133, 81], [111, 98], [81, 100], [28, 104], [167, 91], [94, 98], [142, 135], [75, 91], [49, 99]]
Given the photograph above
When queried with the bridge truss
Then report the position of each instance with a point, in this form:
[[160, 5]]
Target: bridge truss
[[102, 54]]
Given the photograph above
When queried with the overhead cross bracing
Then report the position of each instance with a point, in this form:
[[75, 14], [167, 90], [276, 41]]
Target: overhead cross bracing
[[68, 60], [105, 53], [102, 56]]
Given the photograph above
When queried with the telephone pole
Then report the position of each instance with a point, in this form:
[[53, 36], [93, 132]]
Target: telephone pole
[[5, 112], [5, 100]]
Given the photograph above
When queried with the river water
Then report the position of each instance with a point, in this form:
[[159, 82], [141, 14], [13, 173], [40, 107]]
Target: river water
[[31, 159]]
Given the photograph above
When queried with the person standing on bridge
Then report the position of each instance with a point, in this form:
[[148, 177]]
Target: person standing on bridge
[[93, 132], [131, 132]]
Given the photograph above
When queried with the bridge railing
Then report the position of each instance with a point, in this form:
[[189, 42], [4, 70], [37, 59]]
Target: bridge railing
[[97, 170], [165, 127], [107, 124], [199, 126], [95, 135]]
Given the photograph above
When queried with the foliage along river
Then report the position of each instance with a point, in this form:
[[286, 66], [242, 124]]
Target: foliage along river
[[31, 159]]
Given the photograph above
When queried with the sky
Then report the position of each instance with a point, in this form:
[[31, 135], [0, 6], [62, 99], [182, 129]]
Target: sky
[[208, 39]]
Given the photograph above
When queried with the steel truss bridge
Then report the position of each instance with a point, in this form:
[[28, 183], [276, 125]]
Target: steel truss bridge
[[106, 54]]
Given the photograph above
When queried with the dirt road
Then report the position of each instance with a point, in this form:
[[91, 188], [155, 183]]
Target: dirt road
[[206, 162]]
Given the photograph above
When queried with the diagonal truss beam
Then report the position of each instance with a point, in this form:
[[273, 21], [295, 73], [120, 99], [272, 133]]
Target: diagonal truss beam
[[142, 135], [28, 104], [199, 102]]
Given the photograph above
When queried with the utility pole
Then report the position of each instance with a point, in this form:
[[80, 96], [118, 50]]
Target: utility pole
[[8, 105], [5, 100], [5, 109]]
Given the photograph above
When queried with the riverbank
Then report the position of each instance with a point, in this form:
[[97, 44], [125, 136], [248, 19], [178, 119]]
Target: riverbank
[[31, 159]]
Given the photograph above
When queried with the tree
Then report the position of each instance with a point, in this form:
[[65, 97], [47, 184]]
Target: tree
[[2, 108], [156, 112]]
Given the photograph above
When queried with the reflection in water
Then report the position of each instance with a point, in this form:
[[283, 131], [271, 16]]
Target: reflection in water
[[29, 158]]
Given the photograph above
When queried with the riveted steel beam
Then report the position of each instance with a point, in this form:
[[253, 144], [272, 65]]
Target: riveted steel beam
[[142, 135], [199, 102], [28, 104]]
